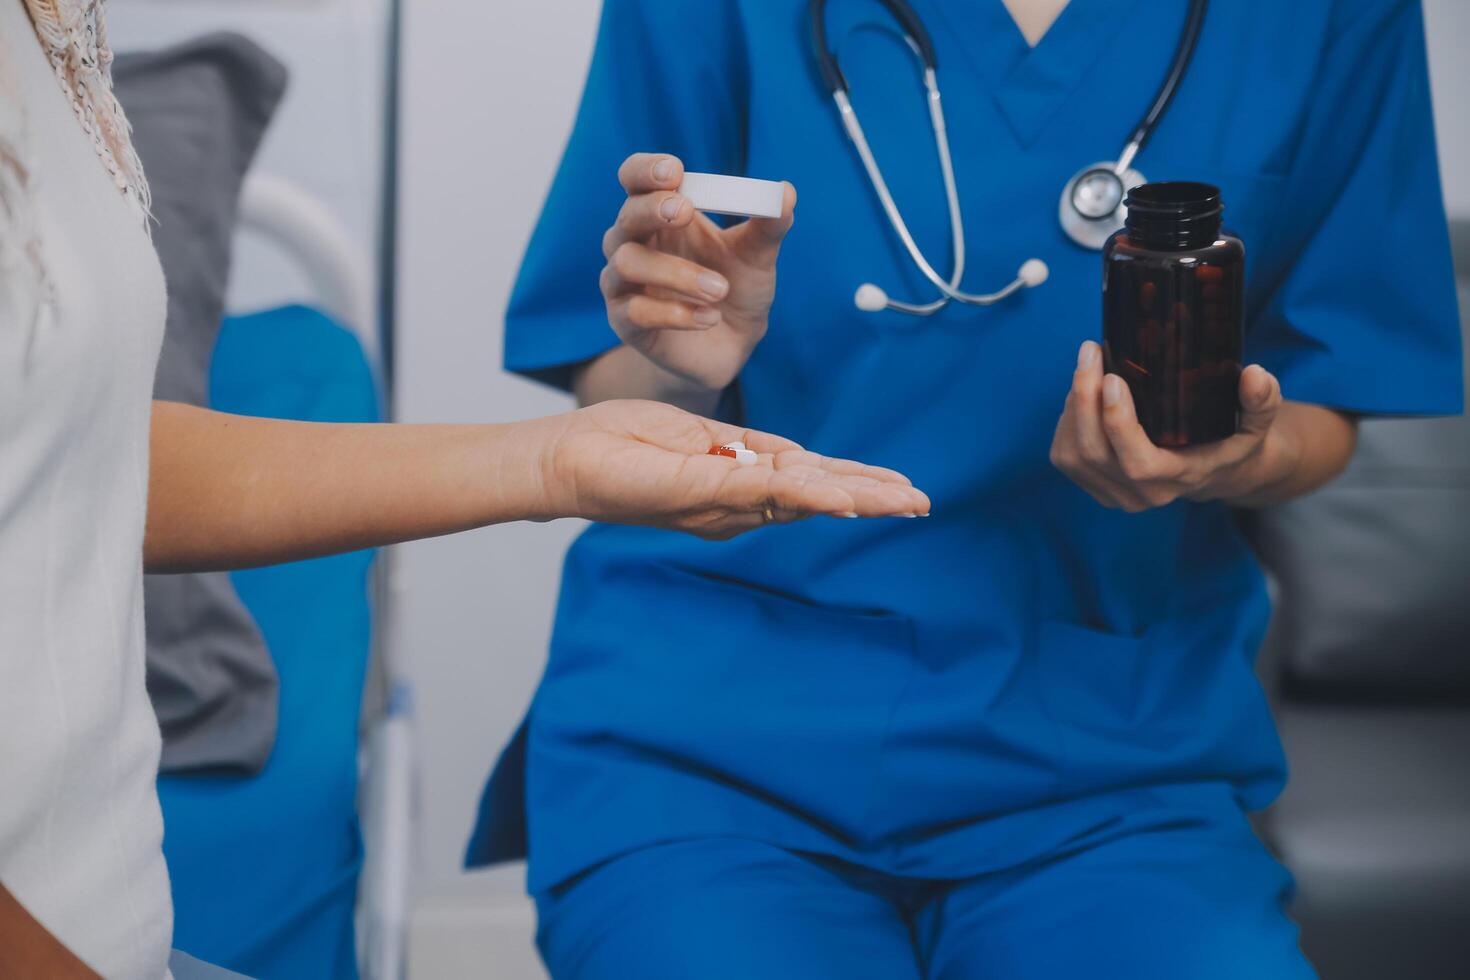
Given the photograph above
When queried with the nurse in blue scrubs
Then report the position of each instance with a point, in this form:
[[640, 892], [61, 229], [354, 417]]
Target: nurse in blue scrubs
[[1018, 739]]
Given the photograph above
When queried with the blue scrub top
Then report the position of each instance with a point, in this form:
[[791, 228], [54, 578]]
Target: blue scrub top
[[1026, 669]]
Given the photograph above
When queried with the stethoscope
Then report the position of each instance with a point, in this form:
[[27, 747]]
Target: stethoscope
[[1092, 204]]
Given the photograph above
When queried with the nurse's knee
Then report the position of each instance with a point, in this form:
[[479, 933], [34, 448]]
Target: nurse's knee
[[718, 909]]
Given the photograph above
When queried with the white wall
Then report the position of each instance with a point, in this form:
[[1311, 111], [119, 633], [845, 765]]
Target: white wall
[[490, 88], [326, 136], [1448, 26], [490, 91]]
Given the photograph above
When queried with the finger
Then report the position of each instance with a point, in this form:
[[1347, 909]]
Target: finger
[[643, 173], [759, 239], [1085, 405], [808, 472], [634, 266], [887, 500], [1138, 458], [842, 467], [642, 217], [845, 496], [1112, 493], [851, 482], [642, 312], [1260, 400], [1095, 480]]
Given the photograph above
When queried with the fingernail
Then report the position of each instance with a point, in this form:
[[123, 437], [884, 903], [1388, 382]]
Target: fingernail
[[663, 170], [849, 514], [712, 285], [1087, 356], [669, 210], [1112, 390], [908, 516], [706, 317]]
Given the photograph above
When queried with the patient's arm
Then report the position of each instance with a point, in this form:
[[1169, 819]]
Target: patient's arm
[[227, 491], [28, 950]]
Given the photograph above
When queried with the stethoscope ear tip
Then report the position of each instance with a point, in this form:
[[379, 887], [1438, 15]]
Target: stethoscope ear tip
[[871, 299], [1033, 272]]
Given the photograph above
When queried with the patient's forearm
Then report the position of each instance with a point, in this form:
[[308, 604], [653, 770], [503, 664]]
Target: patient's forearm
[[624, 373], [227, 491], [28, 950]]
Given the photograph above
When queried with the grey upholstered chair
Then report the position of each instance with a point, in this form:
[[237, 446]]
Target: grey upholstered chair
[[1368, 661]]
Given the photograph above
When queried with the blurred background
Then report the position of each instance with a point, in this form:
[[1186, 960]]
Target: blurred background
[[407, 232]]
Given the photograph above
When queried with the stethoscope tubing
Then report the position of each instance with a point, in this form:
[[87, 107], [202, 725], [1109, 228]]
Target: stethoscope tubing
[[1194, 24], [1033, 271]]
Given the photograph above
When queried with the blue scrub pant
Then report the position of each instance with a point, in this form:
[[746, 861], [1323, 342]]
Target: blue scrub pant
[[1196, 902]]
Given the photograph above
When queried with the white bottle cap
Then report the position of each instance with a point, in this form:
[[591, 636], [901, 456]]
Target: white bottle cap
[[742, 197]]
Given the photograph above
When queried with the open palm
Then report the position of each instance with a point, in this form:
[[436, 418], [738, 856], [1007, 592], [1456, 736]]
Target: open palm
[[632, 462]]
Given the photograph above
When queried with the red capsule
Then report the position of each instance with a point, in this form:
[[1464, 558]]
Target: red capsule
[[1147, 293]]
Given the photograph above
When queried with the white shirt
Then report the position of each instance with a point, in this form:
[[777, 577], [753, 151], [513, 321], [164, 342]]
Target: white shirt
[[81, 319]]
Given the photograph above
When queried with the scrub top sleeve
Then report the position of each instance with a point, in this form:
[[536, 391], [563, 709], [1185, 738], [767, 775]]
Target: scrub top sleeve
[[667, 76], [1362, 313]]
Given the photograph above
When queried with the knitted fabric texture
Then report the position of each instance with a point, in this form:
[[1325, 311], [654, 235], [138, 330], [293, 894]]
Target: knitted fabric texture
[[73, 34]]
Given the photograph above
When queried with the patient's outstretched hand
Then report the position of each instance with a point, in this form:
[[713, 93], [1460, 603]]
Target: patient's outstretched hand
[[635, 462]]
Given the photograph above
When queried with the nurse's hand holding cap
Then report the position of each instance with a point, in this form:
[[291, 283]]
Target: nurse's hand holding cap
[[692, 297], [636, 462]]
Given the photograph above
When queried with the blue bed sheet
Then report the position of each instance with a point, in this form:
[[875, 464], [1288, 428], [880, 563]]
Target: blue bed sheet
[[265, 868]]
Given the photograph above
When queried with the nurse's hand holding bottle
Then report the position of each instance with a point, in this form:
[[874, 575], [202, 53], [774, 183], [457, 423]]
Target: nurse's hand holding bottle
[[1283, 449], [689, 299]]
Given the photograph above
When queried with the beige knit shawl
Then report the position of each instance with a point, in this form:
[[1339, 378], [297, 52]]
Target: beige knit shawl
[[73, 34]]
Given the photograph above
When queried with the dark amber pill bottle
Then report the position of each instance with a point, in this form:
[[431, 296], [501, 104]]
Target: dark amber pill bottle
[[1173, 308]]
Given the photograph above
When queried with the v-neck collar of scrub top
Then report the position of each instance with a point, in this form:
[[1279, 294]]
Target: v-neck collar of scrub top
[[1027, 84]]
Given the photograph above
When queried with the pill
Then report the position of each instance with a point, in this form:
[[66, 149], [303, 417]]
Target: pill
[[737, 452]]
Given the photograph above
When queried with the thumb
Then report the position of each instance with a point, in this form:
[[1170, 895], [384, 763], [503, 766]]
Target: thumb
[[1260, 400], [759, 239]]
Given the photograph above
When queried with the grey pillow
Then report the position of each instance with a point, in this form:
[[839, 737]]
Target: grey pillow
[[198, 112], [1373, 572]]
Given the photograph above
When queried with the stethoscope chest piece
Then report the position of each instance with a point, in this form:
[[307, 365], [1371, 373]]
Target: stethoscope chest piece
[[1092, 202], [1091, 207]]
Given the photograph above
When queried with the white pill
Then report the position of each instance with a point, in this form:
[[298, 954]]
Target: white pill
[[741, 197], [745, 457], [733, 445]]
